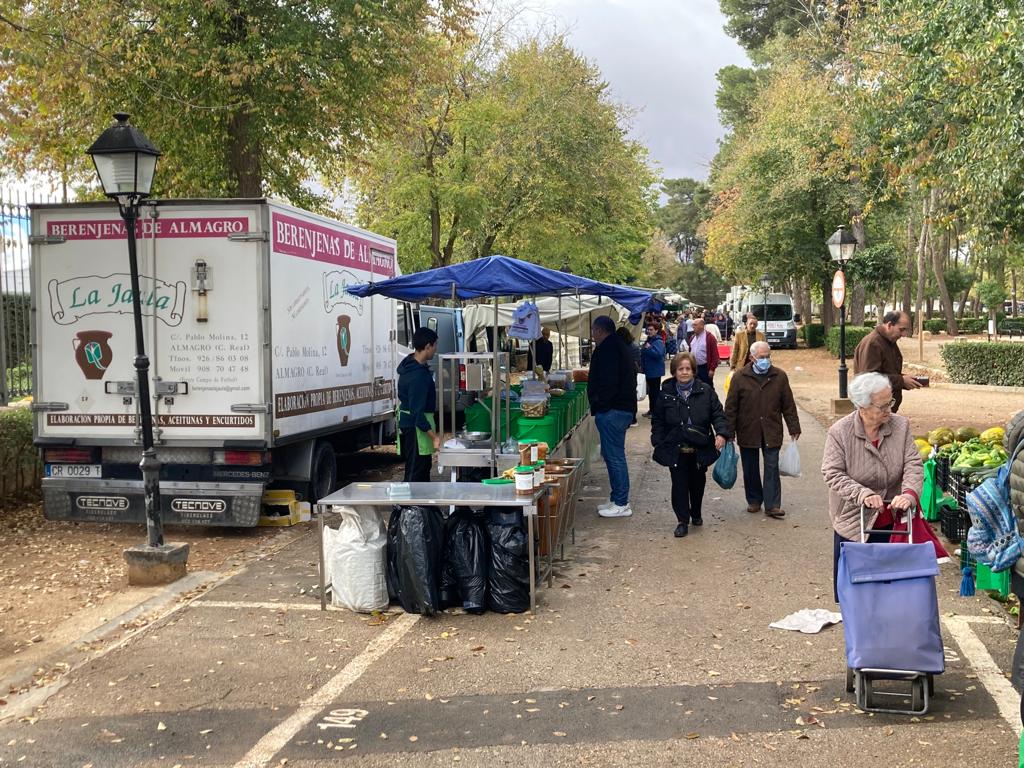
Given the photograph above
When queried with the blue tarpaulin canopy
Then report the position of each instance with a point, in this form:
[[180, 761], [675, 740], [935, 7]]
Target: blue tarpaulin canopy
[[503, 276]]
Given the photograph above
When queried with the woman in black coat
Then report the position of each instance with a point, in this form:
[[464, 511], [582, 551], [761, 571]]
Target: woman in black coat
[[681, 433]]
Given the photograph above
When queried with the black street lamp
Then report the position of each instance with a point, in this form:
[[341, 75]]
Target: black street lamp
[[125, 161], [766, 285], [841, 246]]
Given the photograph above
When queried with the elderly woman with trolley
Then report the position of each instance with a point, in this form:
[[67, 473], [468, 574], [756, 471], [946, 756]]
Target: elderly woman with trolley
[[886, 591]]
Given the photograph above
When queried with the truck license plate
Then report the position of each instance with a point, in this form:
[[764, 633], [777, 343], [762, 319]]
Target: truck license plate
[[74, 470]]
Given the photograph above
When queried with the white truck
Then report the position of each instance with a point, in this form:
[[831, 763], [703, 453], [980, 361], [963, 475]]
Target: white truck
[[776, 317], [262, 366]]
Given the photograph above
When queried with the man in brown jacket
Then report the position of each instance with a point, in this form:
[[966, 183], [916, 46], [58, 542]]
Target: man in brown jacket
[[879, 352], [741, 344], [759, 399]]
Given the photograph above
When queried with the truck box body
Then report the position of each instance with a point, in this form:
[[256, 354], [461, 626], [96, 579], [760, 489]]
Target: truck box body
[[259, 359], [776, 320]]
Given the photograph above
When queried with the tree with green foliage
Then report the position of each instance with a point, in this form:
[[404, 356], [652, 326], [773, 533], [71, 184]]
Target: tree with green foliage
[[244, 97], [520, 152], [754, 23], [681, 215]]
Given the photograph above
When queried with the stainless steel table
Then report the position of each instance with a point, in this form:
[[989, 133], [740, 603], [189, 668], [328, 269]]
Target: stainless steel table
[[431, 495]]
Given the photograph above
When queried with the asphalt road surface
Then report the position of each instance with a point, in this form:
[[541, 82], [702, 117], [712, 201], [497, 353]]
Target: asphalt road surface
[[648, 650]]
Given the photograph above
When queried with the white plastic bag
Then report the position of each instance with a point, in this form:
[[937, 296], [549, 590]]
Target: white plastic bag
[[789, 461], [641, 387], [355, 556]]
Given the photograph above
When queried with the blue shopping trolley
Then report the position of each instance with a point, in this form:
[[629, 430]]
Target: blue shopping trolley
[[890, 613]]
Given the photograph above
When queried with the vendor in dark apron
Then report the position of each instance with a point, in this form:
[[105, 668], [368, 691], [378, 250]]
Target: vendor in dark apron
[[417, 402]]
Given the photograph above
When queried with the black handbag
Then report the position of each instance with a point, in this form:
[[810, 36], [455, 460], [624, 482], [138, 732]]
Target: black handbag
[[694, 436]]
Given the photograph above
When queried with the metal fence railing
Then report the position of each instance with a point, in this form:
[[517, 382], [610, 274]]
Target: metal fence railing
[[15, 290]]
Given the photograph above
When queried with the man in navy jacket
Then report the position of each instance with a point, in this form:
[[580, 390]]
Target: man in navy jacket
[[612, 394]]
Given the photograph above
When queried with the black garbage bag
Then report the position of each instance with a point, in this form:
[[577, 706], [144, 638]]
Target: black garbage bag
[[508, 578], [466, 560], [415, 554]]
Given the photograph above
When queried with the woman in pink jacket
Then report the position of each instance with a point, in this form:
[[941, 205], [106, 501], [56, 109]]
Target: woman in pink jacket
[[870, 458]]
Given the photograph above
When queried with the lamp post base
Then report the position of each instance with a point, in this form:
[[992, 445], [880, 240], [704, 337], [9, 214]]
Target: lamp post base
[[840, 407], [153, 566]]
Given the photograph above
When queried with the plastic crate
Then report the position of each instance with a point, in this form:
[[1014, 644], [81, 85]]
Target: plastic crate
[[478, 419], [942, 472], [547, 429], [954, 524], [963, 482]]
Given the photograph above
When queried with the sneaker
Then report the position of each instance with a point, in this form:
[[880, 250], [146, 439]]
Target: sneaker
[[616, 510], [681, 530], [606, 505]]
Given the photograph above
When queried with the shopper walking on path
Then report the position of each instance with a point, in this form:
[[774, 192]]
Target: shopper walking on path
[[704, 349], [417, 401], [652, 355], [681, 432], [879, 352], [743, 341], [870, 456], [612, 394], [760, 398]]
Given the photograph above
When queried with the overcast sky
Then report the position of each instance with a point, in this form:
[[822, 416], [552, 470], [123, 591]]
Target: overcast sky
[[659, 57]]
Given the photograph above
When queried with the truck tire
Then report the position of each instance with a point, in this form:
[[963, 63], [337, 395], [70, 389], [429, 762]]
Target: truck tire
[[323, 474]]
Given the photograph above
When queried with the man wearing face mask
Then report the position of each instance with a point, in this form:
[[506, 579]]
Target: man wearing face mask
[[760, 398]]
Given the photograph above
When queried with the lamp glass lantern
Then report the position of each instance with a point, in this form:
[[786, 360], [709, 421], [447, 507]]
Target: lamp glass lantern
[[125, 160], [841, 245], [765, 282]]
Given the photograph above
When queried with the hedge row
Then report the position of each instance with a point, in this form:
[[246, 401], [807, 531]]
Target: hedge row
[[813, 334], [984, 362], [854, 333], [20, 470]]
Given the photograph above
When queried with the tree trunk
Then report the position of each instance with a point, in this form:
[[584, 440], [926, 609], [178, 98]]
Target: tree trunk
[[921, 245], [857, 297], [244, 163], [1013, 292], [911, 239], [939, 257]]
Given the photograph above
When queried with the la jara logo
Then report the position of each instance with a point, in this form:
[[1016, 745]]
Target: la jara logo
[[78, 297]]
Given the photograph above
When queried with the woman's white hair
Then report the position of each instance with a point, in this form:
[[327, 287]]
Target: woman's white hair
[[865, 385]]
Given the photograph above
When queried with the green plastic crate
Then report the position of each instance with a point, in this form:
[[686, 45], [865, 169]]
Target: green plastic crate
[[545, 429], [562, 407], [478, 419]]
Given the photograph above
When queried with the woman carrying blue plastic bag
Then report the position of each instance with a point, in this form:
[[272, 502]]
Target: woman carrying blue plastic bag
[[688, 429]]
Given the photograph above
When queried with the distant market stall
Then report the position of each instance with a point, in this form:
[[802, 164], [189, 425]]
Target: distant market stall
[[497, 277]]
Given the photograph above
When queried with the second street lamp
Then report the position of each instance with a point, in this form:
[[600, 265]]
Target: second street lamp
[[841, 247], [125, 161]]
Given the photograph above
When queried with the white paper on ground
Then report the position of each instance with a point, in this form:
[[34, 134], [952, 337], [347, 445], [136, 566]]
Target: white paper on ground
[[810, 621]]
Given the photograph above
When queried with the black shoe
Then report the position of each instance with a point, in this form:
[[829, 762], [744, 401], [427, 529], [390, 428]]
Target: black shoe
[[698, 521], [681, 530], [647, 415]]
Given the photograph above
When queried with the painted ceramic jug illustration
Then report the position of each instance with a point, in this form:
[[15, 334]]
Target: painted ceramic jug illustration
[[344, 339], [93, 353]]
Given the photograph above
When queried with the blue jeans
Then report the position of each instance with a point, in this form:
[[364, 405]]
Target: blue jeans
[[612, 427]]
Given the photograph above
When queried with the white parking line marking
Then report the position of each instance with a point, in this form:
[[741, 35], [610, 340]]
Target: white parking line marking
[[981, 619], [989, 675], [265, 749]]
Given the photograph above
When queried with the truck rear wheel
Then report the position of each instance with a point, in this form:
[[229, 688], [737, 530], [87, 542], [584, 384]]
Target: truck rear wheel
[[323, 477]]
